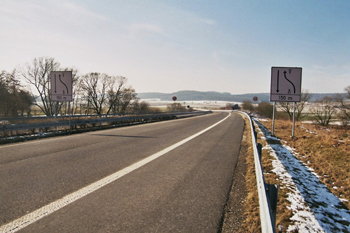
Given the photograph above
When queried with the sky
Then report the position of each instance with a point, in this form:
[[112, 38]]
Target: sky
[[172, 45]]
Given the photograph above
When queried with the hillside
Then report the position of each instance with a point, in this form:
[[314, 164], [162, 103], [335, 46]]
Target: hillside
[[198, 95], [215, 96]]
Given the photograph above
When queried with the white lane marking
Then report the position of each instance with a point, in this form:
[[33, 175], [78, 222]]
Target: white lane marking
[[34, 216]]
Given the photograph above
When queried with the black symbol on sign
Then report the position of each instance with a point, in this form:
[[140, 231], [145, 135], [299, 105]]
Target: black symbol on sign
[[289, 80], [59, 77], [55, 84], [285, 76], [278, 81]]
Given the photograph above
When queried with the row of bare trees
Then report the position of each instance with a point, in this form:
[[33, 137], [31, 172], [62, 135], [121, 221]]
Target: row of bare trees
[[102, 91], [328, 108], [96, 93], [321, 111], [333, 106]]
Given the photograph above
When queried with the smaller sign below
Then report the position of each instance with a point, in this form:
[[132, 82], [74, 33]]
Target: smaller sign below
[[174, 98], [255, 98], [61, 86]]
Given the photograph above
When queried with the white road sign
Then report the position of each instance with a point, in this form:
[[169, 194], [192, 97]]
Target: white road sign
[[285, 84], [61, 85]]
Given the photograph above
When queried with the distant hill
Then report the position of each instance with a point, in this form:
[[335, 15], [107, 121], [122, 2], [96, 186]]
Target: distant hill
[[199, 95], [216, 96]]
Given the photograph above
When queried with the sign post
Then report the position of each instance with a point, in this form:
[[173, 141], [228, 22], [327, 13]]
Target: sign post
[[62, 89], [273, 118], [293, 119], [285, 87], [174, 105]]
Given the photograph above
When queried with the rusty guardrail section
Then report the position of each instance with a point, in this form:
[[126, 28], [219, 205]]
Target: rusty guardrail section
[[104, 119], [267, 192]]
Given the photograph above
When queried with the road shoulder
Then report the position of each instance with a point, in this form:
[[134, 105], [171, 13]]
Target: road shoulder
[[234, 210]]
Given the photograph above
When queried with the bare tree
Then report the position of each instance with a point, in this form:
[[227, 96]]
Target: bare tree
[[128, 97], [115, 95], [288, 107], [323, 110], [95, 87], [344, 107], [37, 74]]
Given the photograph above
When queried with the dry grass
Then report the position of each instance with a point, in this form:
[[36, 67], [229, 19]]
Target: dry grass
[[326, 150], [251, 207]]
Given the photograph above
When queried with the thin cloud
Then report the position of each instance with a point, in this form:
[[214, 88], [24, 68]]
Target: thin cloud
[[81, 11], [145, 29], [207, 21]]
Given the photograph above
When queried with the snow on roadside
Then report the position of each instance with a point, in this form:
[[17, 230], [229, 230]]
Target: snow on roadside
[[314, 207]]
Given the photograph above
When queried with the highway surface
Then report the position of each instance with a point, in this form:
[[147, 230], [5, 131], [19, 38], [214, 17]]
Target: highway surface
[[171, 176]]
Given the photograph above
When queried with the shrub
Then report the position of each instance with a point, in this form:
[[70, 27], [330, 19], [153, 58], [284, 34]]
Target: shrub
[[265, 109]]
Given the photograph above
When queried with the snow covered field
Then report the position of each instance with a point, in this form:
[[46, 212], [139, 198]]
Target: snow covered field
[[203, 104], [314, 207]]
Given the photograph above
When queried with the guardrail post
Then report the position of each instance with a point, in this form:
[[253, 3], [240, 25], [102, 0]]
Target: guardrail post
[[272, 193], [259, 147], [252, 124]]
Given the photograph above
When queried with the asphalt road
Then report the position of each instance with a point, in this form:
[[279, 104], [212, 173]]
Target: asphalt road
[[182, 189]]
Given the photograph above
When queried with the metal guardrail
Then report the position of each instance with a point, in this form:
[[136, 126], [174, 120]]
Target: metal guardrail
[[28, 126], [267, 192]]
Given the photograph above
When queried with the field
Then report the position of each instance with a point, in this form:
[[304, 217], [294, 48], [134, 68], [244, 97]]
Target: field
[[197, 104], [325, 151]]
